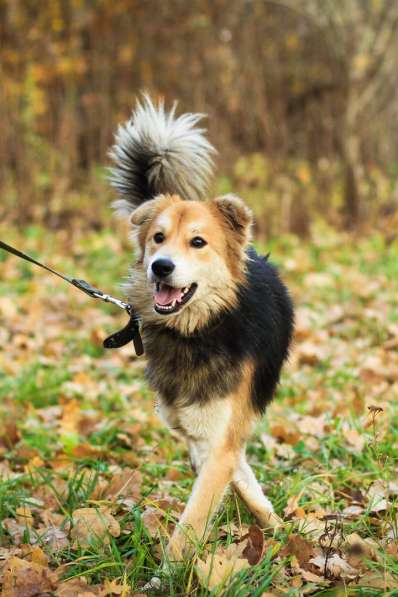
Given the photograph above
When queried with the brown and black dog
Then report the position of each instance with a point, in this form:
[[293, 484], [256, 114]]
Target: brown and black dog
[[216, 320]]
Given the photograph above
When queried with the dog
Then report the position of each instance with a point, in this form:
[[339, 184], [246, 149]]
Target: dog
[[216, 319]]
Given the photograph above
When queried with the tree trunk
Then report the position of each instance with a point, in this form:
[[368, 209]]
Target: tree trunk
[[352, 199]]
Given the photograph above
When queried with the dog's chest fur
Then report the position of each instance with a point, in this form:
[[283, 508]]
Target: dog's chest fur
[[189, 369]]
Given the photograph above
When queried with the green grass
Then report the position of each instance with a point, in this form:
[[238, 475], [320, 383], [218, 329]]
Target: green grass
[[52, 358]]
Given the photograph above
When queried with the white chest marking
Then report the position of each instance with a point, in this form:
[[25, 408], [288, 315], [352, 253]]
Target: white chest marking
[[207, 421]]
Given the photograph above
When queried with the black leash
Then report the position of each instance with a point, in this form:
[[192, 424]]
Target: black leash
[[130, 332]]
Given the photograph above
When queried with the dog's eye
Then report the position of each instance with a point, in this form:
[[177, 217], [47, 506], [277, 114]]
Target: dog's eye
[[198, 242], [158, 237]]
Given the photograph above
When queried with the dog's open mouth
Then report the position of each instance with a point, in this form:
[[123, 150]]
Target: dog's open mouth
[[169, 299]]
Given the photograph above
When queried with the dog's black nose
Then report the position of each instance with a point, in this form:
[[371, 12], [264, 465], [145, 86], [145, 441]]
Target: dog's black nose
[[162, 267]]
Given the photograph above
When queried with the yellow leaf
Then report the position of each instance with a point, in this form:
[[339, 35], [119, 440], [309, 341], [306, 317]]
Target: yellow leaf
[[220, 566]]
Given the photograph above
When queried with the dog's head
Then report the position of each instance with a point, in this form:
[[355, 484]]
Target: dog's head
[[191, 258]]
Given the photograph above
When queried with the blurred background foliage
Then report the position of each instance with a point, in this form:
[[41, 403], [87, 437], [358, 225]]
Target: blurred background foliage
[[301, 97]]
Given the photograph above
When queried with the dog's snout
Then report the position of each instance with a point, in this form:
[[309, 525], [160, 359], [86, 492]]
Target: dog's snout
[[162, 267]]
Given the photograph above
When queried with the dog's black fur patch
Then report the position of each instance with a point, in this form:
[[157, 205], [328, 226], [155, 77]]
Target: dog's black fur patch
[[207, 365]]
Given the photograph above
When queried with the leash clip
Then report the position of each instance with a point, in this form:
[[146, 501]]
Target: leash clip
[[130, 332]]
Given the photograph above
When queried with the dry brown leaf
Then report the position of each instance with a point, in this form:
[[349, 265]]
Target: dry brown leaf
[[254, 550], [55, 539], [126, 484], [77, 587], [86, 450], [353, 511], [154, 521], [112, 587], [219, 567], [71, 416], [38, 556], [377, 497], [312, 425], [392, 488], [310, 353], [24, 516], [299, 547], [15, 530], [292, 505], [310, 525], [359, 546], [354, 439], [311, 577], [90, 524], [285, 430], [336, 566], [26, 579]]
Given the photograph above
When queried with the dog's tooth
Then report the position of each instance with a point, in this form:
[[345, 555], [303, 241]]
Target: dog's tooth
[[173, 304]]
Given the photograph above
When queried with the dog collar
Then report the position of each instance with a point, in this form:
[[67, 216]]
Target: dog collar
[[130, 332]]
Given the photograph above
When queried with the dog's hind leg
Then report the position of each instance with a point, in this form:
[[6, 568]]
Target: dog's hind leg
[[249, 489]]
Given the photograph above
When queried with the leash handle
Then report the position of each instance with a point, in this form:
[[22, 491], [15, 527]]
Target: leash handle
[[18, 253]]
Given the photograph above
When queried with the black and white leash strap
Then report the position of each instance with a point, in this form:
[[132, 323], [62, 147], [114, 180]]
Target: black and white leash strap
[[130, 332]]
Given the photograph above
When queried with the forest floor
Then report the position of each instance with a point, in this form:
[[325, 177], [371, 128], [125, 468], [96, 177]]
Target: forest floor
[[91, 483]]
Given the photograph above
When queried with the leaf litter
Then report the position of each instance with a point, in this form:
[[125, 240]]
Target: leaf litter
[[91, 485]]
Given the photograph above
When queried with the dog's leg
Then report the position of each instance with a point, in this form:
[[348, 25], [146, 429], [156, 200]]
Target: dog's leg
[[214, 477], [249, 489], [219, 430]]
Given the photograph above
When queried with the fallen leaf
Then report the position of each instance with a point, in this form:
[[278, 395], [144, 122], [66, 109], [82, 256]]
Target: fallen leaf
[[359, 546], [90, 524], [24, 516], [312, 425], [15, 530], [55, 539], [38, 556], [353, 511], [254, 549], [377, 497], [299, 547], [219, 567], [285, 430], [26, 579], [126, 484], [77, 587], [112, 587], [354, 439], [293, 506], [154, 521], [336, 566], [311, 577], [71, 417]]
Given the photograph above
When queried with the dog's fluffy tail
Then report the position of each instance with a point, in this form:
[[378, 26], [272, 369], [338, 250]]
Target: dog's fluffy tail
[[156, 152]]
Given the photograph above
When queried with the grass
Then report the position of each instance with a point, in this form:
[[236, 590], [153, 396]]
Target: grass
[[73, 416]]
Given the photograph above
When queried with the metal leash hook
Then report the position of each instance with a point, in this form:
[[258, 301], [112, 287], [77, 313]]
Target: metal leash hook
[[130, 332]]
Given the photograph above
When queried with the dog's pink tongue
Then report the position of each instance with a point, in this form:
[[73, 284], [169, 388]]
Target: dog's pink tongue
[[167, 294]]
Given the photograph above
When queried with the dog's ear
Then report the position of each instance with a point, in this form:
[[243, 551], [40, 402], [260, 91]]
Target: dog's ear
[[144, 213], [236, 215]]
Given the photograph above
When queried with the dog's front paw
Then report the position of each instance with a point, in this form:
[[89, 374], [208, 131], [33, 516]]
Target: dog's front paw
[[268, 519], [273, 521], [176, 547], [179, 547]]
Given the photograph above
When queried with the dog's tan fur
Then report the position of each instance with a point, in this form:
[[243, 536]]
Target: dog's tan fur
[[217, 431]]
